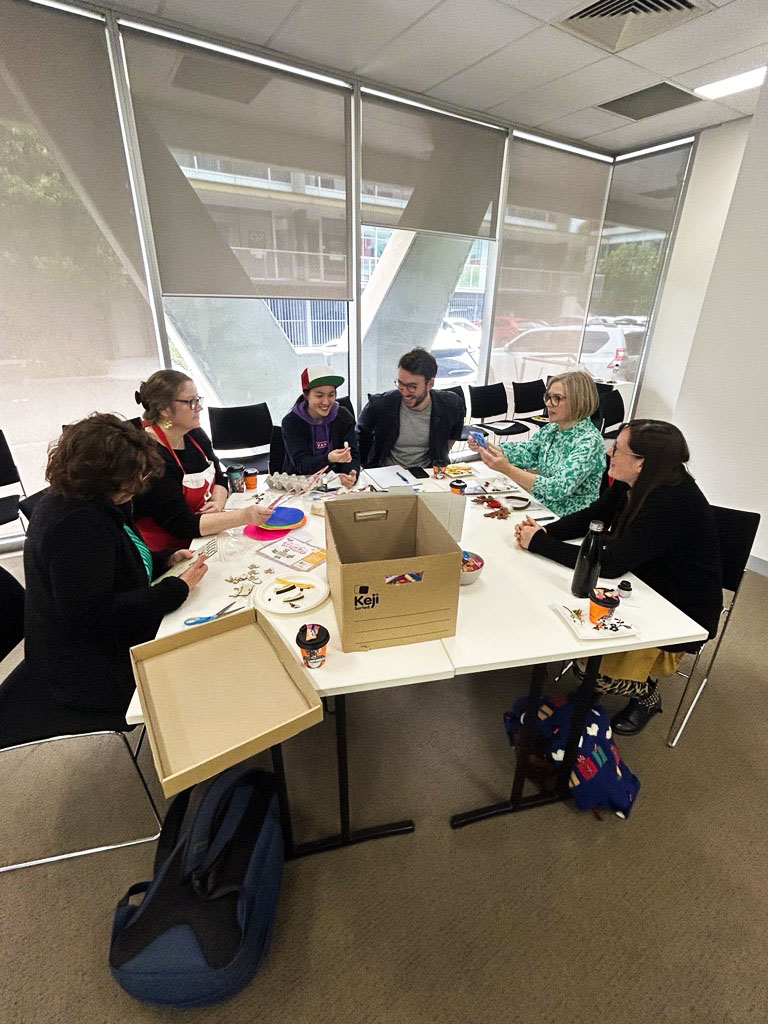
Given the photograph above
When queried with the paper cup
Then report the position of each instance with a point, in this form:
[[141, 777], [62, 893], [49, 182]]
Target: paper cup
[[312, 640], [602, 605]]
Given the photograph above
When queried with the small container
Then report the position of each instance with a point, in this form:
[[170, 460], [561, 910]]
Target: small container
[[625, 590], [438, 471], [251, 479], [312, 640], [602, 604], [236, 476], [458, 486], [471, 567]]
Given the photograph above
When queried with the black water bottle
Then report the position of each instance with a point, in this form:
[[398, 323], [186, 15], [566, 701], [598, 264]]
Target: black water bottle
[[588, 563]]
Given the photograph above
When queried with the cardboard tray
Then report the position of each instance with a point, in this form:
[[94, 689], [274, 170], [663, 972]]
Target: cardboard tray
[[216, 694]]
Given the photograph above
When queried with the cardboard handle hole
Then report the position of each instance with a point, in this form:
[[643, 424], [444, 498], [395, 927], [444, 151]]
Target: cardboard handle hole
[[373, 516]]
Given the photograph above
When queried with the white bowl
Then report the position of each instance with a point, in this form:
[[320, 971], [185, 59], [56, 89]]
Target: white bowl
[[471, 567]]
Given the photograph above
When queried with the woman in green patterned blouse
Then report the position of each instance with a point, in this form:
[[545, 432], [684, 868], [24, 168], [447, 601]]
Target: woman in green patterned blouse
[[563, 463]]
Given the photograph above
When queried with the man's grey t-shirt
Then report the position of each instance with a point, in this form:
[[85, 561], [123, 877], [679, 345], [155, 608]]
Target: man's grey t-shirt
[[412, 445]]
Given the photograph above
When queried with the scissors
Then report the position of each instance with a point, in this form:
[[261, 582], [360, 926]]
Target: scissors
[[197, 619]]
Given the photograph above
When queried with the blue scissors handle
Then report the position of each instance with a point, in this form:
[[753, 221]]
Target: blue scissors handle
[[199, 619]]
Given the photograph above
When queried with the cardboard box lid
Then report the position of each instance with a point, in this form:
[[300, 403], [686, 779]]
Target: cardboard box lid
[[217, 694]]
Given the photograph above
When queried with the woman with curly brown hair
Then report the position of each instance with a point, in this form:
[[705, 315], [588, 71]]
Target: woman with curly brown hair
[[88, 576]]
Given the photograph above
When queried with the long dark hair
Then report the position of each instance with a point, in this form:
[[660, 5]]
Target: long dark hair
[[664, 451]]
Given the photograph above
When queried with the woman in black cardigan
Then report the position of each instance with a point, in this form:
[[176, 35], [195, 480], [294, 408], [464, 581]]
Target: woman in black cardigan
[[88, 593], [660, 527], [318, 432]]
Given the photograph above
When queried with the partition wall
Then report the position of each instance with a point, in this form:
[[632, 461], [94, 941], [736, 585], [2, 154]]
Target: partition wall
[[169, 201]]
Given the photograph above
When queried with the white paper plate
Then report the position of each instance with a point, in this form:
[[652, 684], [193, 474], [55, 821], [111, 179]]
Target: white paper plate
[[614, 628], [267, 598]]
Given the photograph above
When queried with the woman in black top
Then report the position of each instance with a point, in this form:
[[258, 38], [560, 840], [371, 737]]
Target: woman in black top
[[88, 593], [187, 499], [660, 527], [318, 432]]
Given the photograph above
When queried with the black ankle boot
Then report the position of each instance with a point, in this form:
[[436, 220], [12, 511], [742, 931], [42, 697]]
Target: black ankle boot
[[637, 714]]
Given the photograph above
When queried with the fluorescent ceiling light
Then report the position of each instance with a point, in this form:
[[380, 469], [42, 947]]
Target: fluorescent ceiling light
[[655, 149], [728, 86], [229, 51], [426, 106], [562, 145], [70, 10]]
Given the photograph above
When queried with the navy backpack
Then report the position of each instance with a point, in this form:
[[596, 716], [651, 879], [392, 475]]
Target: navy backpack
[[205, 922]]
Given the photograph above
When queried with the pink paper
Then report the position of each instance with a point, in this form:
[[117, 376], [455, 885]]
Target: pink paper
[[256, 533]]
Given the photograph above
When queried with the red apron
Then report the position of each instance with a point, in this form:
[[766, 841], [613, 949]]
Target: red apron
[[196, 488]]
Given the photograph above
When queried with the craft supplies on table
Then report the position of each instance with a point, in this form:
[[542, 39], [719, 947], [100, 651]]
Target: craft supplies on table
[[288, 595], [298, 554], [576, 614]]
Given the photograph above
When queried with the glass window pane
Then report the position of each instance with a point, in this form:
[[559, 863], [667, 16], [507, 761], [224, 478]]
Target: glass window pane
[[243, 351], [427, 171], [638, 220], [232, 154], [426, 290], [549, 239], [75, 324]]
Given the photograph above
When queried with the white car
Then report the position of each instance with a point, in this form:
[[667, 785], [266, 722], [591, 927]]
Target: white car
[[464, 330], [609, 352]]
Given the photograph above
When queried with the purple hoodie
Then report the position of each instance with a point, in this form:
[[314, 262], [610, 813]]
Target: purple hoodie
[[321, 432]]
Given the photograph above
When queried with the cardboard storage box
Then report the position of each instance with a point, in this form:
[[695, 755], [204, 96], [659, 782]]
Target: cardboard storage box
[[393, 569], [218, 693]]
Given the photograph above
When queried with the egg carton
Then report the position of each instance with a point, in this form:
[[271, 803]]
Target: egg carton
[[290, 482]]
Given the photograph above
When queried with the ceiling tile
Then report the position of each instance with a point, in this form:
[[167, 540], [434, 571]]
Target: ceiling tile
[[446, 41], [525, 64], [743, 102], [231, 18], [741, 25], [547, 10], [148, 6], [606, 79], [664, 126], [343, 33], [583, 123], [754, 57]]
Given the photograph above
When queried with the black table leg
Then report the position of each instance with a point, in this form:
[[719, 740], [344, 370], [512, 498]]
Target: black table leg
[[517, 802], [347, 836]]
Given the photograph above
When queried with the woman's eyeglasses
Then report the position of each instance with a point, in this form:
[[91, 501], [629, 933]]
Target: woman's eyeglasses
[[194, 403], [550, 399]]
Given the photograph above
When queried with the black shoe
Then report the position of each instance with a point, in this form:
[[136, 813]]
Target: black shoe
[[635, 716]]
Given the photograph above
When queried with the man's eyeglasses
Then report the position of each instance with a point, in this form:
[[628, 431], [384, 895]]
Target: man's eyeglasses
[[410, 388], [551, 399], [194, 403]]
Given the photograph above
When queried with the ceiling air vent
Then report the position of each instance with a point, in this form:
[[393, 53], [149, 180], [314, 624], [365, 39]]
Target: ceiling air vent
[[616, 24]]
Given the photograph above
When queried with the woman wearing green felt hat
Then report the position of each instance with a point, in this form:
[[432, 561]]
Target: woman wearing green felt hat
[[318, 432]]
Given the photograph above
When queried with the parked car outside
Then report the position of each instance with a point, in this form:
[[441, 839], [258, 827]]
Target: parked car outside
[[609, 352], [465, 330], [455, 365]]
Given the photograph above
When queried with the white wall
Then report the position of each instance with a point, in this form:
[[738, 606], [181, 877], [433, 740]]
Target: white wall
[[708, 196], [722, 403]]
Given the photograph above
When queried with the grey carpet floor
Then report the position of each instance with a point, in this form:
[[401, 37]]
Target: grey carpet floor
[[546, 916]]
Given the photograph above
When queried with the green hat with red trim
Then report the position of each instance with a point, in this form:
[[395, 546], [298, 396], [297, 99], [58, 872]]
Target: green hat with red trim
[[318, 377]]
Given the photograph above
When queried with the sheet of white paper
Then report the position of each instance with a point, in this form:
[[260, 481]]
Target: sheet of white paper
[[385, 477]]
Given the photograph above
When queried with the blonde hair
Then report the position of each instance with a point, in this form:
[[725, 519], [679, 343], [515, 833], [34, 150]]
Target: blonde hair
[[580, 391]]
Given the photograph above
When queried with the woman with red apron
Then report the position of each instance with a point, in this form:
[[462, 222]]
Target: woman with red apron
[[196, 489], [188, 500]]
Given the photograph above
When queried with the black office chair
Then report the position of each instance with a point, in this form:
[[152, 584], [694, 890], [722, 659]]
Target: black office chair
[[9, 475], [491, 400], [27, 505], [346, 403], [529, 398], [736, 531], [276, 451], [11, 612], [610, 412], [242, 426]]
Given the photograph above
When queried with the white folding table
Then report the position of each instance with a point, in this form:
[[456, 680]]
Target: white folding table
[[505, 621]]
